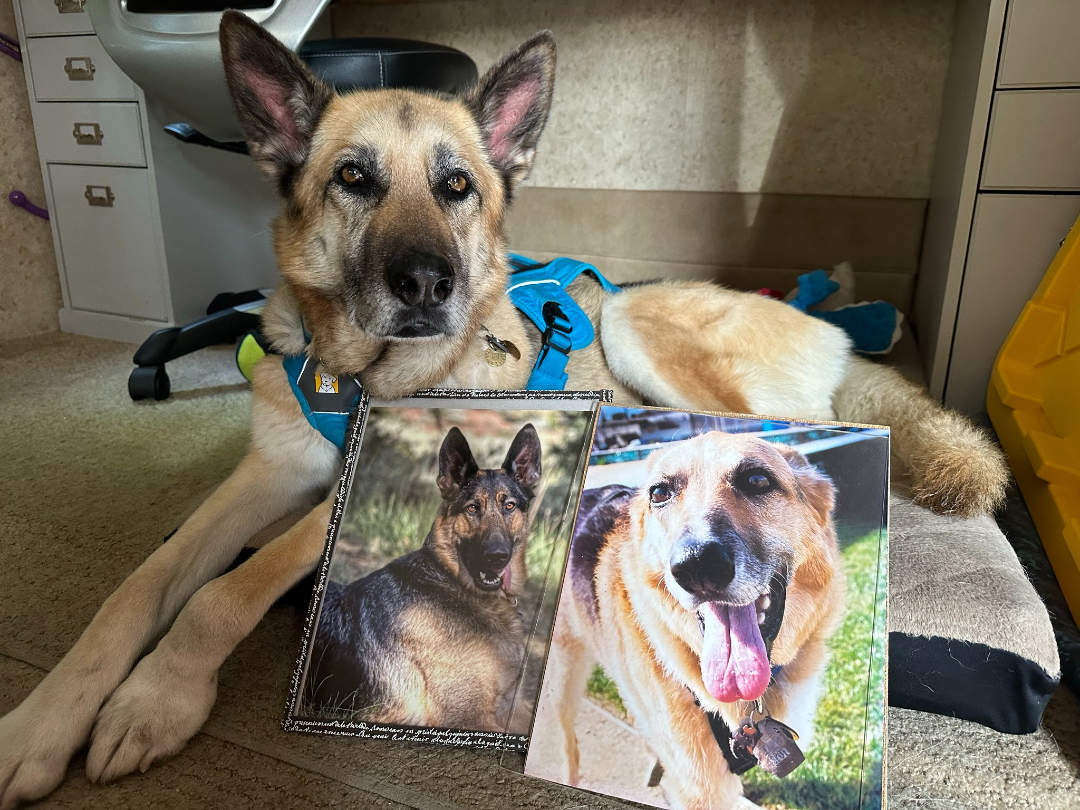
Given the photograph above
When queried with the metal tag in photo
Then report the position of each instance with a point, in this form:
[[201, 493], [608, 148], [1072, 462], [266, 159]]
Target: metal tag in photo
[[775, 749]]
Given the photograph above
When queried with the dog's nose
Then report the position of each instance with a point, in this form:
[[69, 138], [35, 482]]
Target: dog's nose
[[495, 559], [703, 569], [420, 279]]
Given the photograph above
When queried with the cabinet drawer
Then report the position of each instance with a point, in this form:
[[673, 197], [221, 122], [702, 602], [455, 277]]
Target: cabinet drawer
[[79, 132], [76, 69], [45, 17], [1039, 47], [1014, 237], [110, 252], [1033, 141]]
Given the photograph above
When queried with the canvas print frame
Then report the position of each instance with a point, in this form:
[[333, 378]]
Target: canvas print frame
[[865, 722], [452, 400]]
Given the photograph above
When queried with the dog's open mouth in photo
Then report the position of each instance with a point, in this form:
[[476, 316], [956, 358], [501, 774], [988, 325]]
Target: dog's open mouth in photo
[[488, 575], [736, 640], [492, 580]]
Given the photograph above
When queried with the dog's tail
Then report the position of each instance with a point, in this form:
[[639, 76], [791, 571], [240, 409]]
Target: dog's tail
[[954, 466]]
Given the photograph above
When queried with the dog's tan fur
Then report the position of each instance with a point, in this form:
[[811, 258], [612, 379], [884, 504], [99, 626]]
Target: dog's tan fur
[[649, 643], [673, 343], [463, 687]]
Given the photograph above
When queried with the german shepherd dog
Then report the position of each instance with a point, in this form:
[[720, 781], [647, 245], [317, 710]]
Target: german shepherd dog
[[391, 250], [689, 591], [433, 638]]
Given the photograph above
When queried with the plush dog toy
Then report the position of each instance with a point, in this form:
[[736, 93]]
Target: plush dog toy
[[874, 326]]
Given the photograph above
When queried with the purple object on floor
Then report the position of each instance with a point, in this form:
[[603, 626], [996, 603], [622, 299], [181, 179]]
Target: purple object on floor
[[18, 198], [10, 46]]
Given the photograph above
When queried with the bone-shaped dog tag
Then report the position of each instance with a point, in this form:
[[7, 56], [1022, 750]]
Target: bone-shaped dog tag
[[776, 749]]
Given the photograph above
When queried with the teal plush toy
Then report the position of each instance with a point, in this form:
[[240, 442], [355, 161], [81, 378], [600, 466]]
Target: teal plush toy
[[874, 326]]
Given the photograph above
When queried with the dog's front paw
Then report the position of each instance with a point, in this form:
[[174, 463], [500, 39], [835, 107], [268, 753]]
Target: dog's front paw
[[35, 746], [150, 716]]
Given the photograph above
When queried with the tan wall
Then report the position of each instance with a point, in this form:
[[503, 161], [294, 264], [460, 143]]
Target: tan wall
[[29, 283], [782, 96]]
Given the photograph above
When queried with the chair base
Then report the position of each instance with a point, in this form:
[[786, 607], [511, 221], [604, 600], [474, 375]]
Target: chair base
[[229, 316]]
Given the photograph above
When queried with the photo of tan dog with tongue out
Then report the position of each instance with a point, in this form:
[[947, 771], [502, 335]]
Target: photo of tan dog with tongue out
[[705, 576]]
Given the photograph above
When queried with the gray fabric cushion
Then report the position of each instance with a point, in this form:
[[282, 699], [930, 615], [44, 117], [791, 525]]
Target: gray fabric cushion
[[968, 635]]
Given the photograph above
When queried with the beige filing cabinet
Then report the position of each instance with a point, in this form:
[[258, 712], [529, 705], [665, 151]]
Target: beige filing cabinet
[[92, 137], [1006, 185], [147, 230]]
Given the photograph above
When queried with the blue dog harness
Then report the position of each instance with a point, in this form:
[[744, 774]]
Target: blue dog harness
[[327, 400], [538, 290]]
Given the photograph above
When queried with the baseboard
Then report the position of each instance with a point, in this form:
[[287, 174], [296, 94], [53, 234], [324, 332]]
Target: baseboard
[[110, 327]]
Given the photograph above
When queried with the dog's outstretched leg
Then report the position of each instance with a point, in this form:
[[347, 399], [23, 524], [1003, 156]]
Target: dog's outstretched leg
[[289, 463], [168, 696], [568, 669], [955, 468]]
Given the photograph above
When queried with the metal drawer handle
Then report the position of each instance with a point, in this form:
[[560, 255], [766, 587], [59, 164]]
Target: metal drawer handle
[[88, 138], [70, 6], [100, 196], [79, 69]]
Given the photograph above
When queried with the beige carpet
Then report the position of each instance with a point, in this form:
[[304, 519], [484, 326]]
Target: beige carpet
[[91, 483]]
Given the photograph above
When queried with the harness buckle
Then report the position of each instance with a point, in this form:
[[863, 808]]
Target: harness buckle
[[557, 333]]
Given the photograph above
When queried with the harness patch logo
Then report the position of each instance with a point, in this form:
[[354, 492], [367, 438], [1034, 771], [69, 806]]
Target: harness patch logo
[[325, 383]]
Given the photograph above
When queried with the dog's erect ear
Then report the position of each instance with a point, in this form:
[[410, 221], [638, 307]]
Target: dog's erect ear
[[278, 99], [523, 459], [456, 463], [815, 485], [511, 103]]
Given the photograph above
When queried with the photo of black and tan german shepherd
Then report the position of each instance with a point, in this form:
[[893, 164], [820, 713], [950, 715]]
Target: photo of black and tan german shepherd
[[392, 252], [434, 638]]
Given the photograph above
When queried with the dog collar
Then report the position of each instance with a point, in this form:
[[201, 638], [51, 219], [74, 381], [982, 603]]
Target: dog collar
[[723, 733], [539, 291]]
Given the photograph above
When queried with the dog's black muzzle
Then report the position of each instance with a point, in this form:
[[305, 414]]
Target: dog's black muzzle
[[423, 281], [704, 567], [487, 560]]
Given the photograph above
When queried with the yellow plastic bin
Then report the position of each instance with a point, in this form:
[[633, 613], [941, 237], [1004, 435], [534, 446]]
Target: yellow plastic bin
[[1034, 403]]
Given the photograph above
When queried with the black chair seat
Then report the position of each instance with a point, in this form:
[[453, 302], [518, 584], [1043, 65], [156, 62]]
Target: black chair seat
[[370, 63]]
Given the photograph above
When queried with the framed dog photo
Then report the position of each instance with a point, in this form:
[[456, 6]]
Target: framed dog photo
[[433, 605], [720, 633]]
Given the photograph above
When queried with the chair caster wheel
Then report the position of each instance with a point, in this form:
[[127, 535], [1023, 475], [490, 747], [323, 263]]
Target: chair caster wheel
[[148, 381]]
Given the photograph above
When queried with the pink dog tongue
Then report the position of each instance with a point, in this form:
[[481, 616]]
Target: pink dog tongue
[[734, 664], [507, 575]]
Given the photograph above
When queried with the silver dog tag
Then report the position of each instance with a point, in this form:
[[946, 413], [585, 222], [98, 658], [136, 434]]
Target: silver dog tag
[[775, 748]]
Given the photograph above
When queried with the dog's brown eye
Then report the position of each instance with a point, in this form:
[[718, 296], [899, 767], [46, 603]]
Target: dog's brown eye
[[351, 174], [755, 482], [457, 183], [472, 509], [660, 494], [509, 506]]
